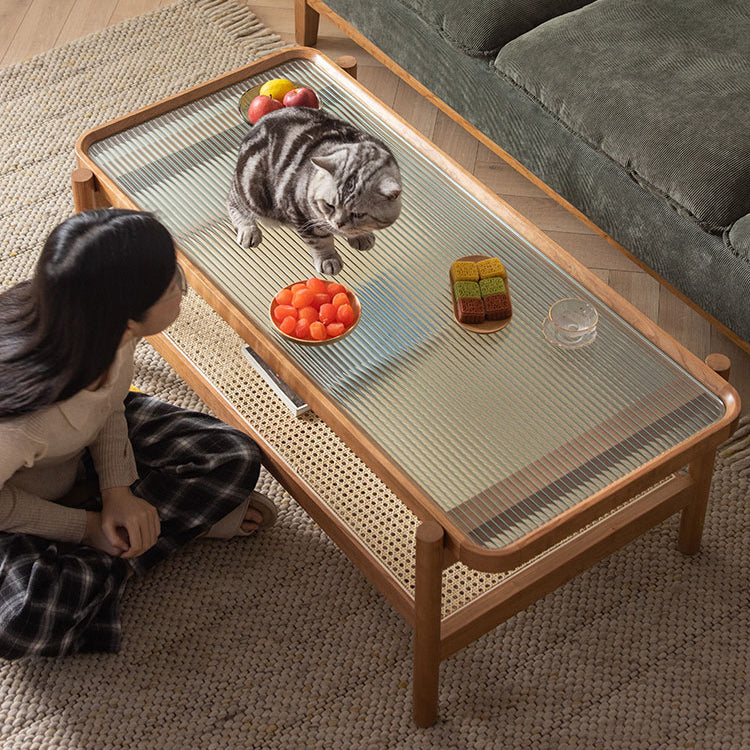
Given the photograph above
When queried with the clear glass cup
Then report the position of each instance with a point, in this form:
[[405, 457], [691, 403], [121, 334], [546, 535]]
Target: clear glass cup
[[571, 323]]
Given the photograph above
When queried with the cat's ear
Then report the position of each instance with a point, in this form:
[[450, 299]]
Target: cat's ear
[[329, 162], [390, 188]]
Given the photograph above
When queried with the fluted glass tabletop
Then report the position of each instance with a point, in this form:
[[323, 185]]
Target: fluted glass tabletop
[[502, 431]]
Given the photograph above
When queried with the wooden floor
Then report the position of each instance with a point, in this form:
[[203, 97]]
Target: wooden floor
[[29, 27]]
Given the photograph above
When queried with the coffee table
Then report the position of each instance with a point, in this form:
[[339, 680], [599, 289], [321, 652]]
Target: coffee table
[[514, 457]]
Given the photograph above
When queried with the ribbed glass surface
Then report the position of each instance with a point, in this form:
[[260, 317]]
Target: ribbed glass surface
[[503, 431]]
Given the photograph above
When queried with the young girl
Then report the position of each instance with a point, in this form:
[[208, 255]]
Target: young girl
[[95, 482]]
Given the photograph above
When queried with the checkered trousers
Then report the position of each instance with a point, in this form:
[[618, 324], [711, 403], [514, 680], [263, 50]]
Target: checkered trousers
[[59, 598]]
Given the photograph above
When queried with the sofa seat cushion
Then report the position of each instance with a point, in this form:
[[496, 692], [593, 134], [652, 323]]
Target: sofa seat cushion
[[481, 27], [661, 88]]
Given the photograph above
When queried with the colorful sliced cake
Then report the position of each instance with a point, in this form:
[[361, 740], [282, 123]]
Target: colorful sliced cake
[[467, 289], [480, 291], [464, 270], [491, 285], [470, 310], [497, 307], [490, 267]]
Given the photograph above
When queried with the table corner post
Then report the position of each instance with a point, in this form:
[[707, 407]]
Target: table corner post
[[428, 610], [348, 63], [84, 189], [720, 364]]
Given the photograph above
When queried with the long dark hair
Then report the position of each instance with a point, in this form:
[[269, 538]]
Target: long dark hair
[[60, 330]]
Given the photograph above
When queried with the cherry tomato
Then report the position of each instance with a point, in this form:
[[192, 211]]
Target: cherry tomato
[[303, 298], [284, 296], [302, 329], [321, 298], [318, 286], [288, 325], [335, 329], [345, 315], [318, 331], [327, 313], [340, 299], [282, 311], [310, 314]]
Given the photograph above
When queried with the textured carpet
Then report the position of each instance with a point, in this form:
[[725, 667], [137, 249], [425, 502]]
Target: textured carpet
[[279, 642]]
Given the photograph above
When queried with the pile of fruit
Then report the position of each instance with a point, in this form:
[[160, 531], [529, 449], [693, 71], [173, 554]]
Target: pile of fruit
[[278, 93], [313, 310]]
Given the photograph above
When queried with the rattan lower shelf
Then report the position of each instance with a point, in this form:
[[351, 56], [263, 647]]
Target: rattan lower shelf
[[374, 516], [360, 501]]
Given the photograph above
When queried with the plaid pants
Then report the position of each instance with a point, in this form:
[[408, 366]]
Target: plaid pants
[[59, 598]]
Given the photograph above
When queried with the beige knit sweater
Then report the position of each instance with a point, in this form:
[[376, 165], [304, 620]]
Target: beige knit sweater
[[40, 455]]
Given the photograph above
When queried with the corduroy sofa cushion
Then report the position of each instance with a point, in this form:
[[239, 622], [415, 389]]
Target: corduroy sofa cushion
[[676, 122], [481, 27]]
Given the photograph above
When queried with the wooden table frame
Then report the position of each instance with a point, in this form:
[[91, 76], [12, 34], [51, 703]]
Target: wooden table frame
[[561, 550]]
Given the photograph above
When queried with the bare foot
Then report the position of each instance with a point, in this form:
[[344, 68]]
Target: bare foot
[[252, 520]]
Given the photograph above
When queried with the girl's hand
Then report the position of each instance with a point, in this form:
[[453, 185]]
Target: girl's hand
[[125, 513], [94, 536]]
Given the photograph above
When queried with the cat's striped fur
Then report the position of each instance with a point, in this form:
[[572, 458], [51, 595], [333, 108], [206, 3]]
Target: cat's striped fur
[[318, 174]]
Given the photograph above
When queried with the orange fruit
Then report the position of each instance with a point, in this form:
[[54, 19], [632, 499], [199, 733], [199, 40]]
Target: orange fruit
[[342, 298], [284, 297], [317, 285], [283, 311], [345, 315], [335, 329], [288, 325], [303, 298], [318, 331], [310, 314], [302, 329], [327, 313], [321, 298]]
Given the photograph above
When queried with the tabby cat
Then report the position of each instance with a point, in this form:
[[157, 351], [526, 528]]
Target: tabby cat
[[318, 174]]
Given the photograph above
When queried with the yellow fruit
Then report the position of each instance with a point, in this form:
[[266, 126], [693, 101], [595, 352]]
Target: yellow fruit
[[276, 88]]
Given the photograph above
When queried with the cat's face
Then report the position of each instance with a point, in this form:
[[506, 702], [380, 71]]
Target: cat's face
[[352, 196]]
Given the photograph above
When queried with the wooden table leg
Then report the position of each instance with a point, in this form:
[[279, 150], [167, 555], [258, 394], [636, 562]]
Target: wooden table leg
[[694, 514], [306, 22], [84, 190], [427, 602]]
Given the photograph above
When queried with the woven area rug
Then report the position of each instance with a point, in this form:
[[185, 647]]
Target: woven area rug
[[278, 641]]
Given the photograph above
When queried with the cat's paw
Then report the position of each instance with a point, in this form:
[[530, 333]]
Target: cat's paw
[[363, 242], [249, 236], [329, 266]]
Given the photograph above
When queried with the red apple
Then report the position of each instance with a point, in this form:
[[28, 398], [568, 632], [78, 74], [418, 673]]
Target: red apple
[[260, 106], [301, 97]]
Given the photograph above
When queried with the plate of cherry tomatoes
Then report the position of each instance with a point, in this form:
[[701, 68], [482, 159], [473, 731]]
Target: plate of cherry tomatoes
[[315, 311]]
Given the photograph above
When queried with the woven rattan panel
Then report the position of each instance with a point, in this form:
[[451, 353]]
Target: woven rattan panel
[[381, 522], [359, 499]]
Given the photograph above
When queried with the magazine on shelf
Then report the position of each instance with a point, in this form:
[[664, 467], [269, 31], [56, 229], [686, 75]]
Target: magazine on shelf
[[290, 399]]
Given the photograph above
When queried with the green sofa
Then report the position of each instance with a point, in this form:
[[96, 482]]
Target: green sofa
[[634, 111]]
